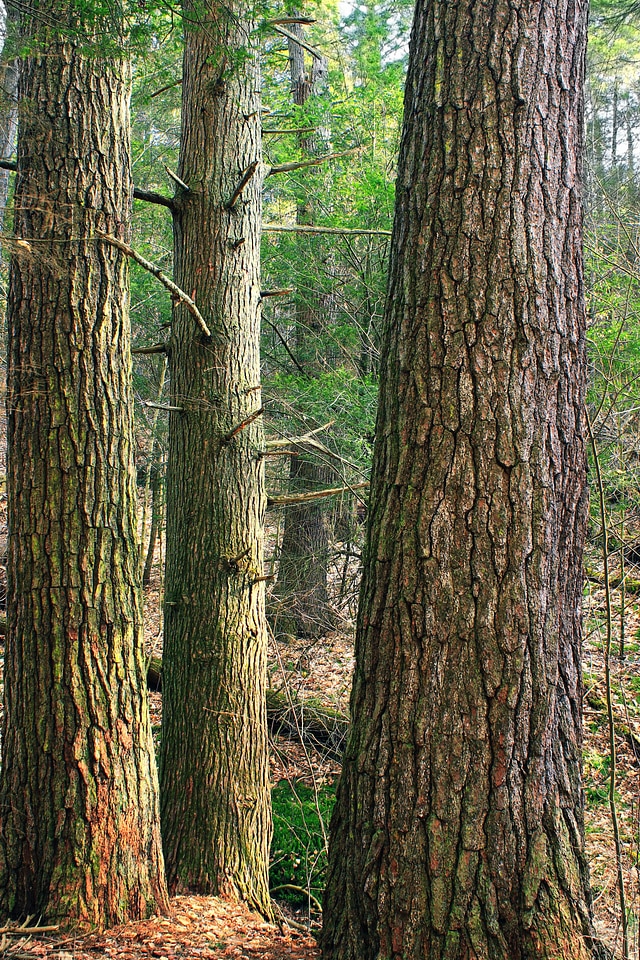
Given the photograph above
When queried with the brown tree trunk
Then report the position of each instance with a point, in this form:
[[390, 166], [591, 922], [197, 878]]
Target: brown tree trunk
[[301, 596], [79, 825], [214, 770], [458, 830]]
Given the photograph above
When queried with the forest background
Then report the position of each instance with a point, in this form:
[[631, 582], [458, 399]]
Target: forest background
[[323, 296]]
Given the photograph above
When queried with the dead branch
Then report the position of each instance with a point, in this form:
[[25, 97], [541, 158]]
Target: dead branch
[[301, 43], [162, 406], [245, 423], [337, 231], [297, 441], [301, 164], [281, 133], [246, 176], [264, 294], [316, 495], [176, 179], [305, 21], [147, 351], [150, 197], [159, 275], [169, 86]]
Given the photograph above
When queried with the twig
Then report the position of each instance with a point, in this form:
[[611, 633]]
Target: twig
[[316, 495], [245, 423], [176, 179], [301, 43], [337, 231], [301, 164], [159, 275], [21, 931], [246, 176]]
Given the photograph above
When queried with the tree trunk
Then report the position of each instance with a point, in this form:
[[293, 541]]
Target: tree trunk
[[301, 599], [458, 830], [79, 825], [214, 770]]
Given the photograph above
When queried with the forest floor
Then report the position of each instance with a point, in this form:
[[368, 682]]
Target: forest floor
[[319, 670]]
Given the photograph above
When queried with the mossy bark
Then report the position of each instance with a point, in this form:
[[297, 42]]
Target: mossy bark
[[216, 815], [79, 821], [458, 830]]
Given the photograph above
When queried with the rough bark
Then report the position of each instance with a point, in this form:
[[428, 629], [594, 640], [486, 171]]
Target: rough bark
[[458, 830], [79, 823], [214, 770]]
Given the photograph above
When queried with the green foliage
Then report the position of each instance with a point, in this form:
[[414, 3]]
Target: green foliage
[[338, 395], [298, 849]]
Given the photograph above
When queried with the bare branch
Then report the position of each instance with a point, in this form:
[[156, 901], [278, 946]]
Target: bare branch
[[169, 86], [149, 196], [265, 294], [316, 495], [292, 20], [147, 351], [300, 164], [176, 179], [162, 406], [336, 231], [246, 177], [301, 43], [290, 130], [241, 426], [159, 275], [283, 441]]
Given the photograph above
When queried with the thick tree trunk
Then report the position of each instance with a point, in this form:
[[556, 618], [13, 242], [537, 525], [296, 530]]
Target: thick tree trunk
[[458, 830], [79, 824], [214, 770]]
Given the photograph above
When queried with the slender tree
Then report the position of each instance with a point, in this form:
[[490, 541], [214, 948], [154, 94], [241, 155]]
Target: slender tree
[[214, 768], [301, 591], [458, 829], [79, 824]]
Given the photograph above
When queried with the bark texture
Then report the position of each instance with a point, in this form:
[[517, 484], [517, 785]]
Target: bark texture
[[458, 830], [214, 771], [79, 820]]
